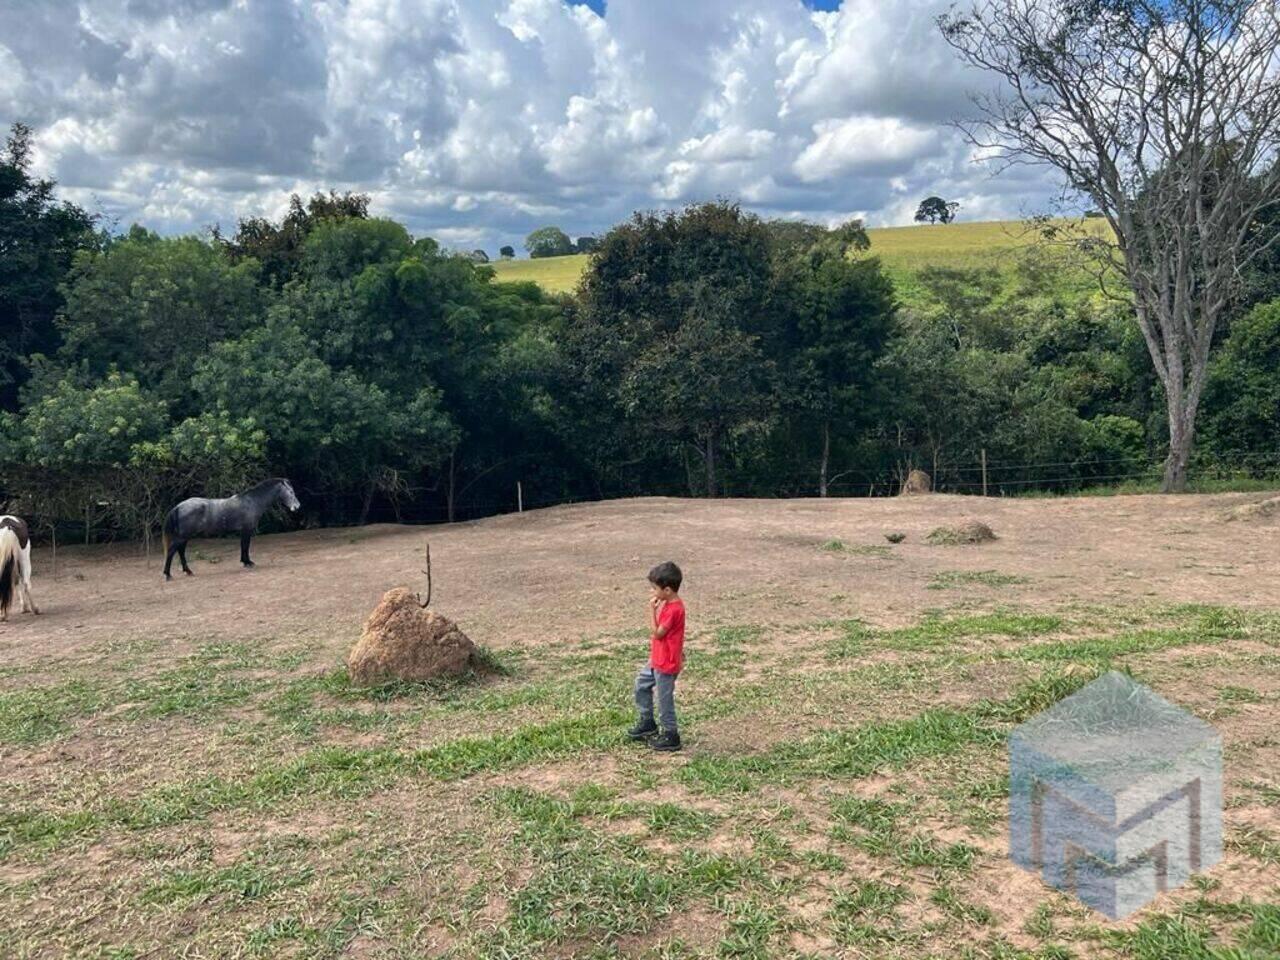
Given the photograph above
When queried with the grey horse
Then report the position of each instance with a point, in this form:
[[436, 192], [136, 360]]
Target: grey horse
[[201, 517]]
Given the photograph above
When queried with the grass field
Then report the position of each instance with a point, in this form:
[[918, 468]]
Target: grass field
[[903, 250], [554, 274], [185, 770]]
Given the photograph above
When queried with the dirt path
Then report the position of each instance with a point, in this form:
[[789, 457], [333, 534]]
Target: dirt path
[[578, 571]]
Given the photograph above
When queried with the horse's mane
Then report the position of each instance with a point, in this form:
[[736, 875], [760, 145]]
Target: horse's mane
[[265, 485]]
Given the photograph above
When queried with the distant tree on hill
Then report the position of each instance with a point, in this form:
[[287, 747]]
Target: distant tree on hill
[[936, 210], [548, 242], [587, 245], [507, 253], [479, 256], [1093, 214]]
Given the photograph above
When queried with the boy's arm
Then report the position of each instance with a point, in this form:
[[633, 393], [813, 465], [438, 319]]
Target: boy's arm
[[659, 631]]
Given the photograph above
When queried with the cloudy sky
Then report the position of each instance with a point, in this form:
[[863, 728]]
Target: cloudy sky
[[475, 121]]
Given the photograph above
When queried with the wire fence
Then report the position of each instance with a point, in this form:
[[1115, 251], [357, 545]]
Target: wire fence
[[994, 478], [106, 505]]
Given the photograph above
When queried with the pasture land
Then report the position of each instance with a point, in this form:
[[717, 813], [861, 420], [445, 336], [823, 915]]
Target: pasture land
[[184, 770], [997, 245], [553, 274]]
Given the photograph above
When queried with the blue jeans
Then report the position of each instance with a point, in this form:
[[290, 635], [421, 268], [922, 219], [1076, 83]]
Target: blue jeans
[[648, 679]]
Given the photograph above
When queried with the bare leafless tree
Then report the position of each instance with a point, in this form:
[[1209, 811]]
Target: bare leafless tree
[[1166, 115]]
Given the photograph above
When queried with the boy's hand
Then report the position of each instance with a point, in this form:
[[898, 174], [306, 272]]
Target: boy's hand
[[655, 602]]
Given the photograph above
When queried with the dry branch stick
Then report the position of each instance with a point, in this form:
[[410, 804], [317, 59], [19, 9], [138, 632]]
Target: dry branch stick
[[425, 603]]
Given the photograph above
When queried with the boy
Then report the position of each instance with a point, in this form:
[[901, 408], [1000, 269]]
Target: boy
[[666, 657]]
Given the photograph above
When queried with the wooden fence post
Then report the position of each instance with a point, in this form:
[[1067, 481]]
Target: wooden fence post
[[519, 497], [984, 471]]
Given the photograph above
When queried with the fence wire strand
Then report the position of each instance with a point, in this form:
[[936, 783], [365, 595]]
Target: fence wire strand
[[20, 490]]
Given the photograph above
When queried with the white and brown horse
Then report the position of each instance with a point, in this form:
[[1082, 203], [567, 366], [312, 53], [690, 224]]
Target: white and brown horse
[[15, 565]]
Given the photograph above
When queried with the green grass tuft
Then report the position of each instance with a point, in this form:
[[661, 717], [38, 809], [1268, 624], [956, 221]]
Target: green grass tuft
[[851, 642], [950, 579], [858, 549], [864, 914], [941, 631]]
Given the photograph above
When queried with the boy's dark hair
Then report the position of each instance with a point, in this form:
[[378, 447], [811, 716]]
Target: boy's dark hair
[[666, 575]]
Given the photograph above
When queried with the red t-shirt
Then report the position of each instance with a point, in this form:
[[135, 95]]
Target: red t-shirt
[[667, 654]]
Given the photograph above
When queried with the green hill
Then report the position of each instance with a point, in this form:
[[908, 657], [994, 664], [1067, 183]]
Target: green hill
[[903, 250], [554, 274]]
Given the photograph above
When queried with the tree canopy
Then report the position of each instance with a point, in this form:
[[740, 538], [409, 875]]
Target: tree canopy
[[707, 352], [936, 210], [548, 242], [39, 238]]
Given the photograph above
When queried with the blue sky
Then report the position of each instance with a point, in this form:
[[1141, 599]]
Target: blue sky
[[477, 121]]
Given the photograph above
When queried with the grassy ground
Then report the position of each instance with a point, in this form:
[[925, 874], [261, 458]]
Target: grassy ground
[[221, 791], [903, 250], [555, 274], [862, 814]]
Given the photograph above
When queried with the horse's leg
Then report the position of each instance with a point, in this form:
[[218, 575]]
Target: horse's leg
[[168, 558], [182, 555], [28, 602], [244, 549]]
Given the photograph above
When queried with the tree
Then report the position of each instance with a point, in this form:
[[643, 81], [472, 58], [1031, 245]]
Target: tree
[[839, 315], [587, 245], [479, 256], [109, 453], [75, 428], [220, 454], [277, 247], [39, 238], [673, 310], [703, 384], [936, 210], [548, 242], [154, 306], [1242, 398], [403, 315], [1166, 115], [1260, 278], [507, 253], [337, 427]]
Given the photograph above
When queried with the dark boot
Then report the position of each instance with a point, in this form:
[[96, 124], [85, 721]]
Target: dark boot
[[643, 730], [668, 742]]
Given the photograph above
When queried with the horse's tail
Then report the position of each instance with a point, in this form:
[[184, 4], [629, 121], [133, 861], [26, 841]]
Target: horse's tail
[[169, 528], [8, 568]]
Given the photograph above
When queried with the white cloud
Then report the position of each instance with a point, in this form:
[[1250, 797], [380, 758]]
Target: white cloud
[[12, 76], [864, 145], [478, 120], [730, 144]]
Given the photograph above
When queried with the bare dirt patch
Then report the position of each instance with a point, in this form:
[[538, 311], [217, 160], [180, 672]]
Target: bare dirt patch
[[395, 830], [752, 560]]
